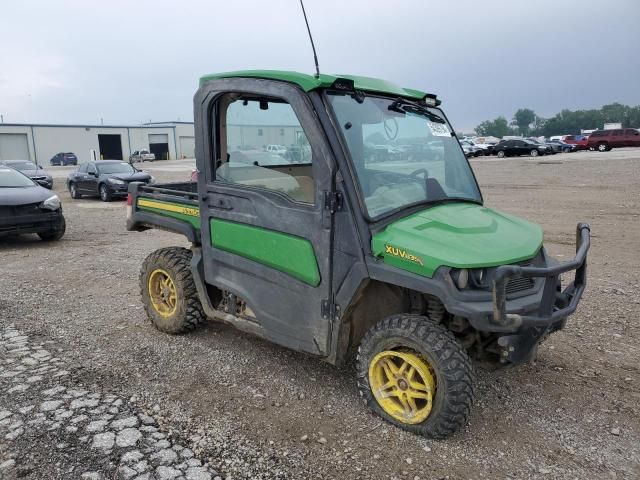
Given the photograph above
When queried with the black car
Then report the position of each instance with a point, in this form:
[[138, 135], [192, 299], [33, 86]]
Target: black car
[[560, 146], [64, 158], [107, 179], [26, 207], [515, 147], [33, 171]]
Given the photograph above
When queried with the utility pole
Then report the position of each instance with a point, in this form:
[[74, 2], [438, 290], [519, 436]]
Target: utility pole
[[1, 118]]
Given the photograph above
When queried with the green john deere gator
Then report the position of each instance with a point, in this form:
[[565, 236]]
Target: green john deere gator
[[338, 216]]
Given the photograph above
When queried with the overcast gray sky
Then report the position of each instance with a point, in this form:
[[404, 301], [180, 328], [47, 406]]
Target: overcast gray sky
[[76, 61]]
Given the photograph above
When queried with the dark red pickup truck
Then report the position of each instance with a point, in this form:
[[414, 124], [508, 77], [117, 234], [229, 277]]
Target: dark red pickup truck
[[605, 140]]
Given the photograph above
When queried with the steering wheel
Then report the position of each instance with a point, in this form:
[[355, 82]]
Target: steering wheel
[[390, 128], [419, 171]]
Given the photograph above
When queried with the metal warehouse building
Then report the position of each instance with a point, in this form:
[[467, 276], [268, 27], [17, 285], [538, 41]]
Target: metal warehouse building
[[39, 143]]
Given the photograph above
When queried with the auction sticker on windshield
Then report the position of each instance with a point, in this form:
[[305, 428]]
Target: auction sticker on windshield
[[439, 129]]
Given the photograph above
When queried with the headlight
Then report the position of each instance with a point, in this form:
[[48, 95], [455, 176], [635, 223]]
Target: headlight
[[461, 278], [151, 179], [475, 278], [116, 181], [51, 203]]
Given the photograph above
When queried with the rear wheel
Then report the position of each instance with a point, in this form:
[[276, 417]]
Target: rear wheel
[[169, 292], [414, 373], [105, 194], [73, 191]]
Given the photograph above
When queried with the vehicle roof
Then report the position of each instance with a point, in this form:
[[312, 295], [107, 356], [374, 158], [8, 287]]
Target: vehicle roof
[[106, 161], [8, 162], [311, 82]]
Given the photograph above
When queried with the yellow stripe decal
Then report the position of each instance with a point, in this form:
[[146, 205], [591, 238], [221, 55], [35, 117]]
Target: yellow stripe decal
[[169, 207]]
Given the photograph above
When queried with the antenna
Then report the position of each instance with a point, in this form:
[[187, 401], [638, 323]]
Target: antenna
[[313, 47]]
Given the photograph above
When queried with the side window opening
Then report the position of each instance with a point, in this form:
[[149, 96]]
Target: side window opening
[[262, 145]]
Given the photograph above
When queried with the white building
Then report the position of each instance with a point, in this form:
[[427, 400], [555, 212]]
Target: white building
[[40, 142]]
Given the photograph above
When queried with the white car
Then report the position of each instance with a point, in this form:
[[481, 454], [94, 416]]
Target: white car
[[276, 149], [143, 155]]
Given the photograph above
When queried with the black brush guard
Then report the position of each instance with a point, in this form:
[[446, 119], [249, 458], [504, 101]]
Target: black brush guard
[[555, 306]]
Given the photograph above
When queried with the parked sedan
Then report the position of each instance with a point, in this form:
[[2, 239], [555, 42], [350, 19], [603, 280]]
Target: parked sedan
[[560, 146], [64, 158], [580, 141], [107, 179], [515, 147], [475, 150], [26, 207], [33, 171]]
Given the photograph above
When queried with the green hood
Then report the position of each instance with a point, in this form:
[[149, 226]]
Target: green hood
[[460, 235]]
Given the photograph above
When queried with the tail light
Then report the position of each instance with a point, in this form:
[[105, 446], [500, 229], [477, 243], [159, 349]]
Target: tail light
[[129, 205]]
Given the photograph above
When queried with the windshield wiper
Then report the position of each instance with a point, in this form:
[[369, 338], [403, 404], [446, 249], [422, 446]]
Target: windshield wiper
[[402, 105]]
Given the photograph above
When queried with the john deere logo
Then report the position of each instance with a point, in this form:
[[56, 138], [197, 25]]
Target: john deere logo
[[399, 252]]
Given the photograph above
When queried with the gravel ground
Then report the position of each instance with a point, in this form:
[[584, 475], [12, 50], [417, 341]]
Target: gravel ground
[[90, 390]]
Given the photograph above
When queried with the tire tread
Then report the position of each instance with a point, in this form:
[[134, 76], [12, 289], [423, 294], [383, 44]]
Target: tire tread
[[454, 364]]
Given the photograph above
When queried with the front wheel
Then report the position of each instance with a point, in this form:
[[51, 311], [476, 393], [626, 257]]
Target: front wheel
[[54, 235], [603, 147], [534, 153], [105, 194], [169, 291], [415, 374], [501, 154]]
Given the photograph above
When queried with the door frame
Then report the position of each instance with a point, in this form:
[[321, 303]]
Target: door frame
[[274, 212]]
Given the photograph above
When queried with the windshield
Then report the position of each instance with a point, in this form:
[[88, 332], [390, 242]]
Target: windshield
[[9, 178], [122, 167], [22, 166], [403, 153]]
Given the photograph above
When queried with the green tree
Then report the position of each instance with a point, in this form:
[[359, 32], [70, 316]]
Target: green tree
[[523, 118], [567, 122], [498, 127]]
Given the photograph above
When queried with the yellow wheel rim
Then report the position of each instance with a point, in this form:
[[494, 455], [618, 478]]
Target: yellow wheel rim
[[403, 385], [162, 292]]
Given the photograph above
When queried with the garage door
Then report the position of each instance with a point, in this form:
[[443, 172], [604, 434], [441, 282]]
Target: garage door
[[188, 147], [14, 146], [159, 145], [159, 138]]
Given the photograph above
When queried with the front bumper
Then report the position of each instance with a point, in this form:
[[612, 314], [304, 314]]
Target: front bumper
[[554, 305], [117, 190], [41, 222], [554, 308], [520, 320]]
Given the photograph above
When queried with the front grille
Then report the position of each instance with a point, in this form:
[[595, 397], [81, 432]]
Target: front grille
[[519, 284], [17, 210]]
